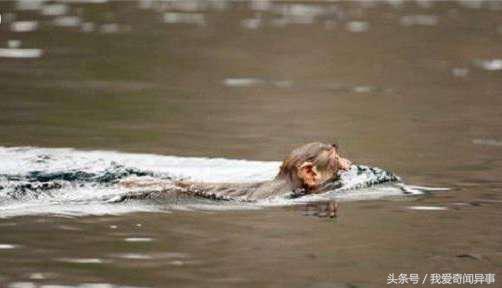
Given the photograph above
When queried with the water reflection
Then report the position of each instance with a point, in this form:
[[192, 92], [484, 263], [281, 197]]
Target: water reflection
[[428, 208], [357, 26], [421, 20], [55, 9], [29, 4], [67, 21], [22, 285], [184, 18], [490, 65], [134, 256], [460, 72], [42, 276], [88, 27], [82, 260], [138, 239], [7, 246], [20, 53], [13, 43], [24, 26], [242, 82], [489, 142]]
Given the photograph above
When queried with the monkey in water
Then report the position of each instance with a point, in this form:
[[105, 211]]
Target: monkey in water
[[304, 171]]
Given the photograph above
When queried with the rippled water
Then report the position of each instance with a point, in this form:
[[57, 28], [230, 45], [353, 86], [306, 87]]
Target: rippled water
[[412, 87], [36, 181]]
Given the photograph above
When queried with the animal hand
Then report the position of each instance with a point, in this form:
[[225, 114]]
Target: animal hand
[[344, 164]]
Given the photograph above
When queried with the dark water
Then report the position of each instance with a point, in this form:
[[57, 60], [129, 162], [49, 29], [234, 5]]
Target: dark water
[[411, 87]]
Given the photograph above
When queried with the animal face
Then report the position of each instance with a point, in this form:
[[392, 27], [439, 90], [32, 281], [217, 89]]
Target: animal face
[[311, 165]]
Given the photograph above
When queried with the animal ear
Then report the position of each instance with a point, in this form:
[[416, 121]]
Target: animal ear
[[308, 174]]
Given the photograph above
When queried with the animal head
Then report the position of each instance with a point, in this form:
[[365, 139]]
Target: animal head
[[311, 165]]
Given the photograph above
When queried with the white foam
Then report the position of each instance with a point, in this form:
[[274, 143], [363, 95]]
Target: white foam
[[88, 27], [90, 198], [283, 84], [471, 4], [110, 28], [242, 82], [42, 275], [7, 246], [67, 21], [56, 286], [425, 188], [97, 285], [187, 5], [251, 23], [184, 18], [299, 10], [459, 72], [362, 89], [488, 142], [145, 4], [177, 263], [54, 9], [20, 53], [357, 26], [491, 65], [29, 4], [134, 256], [22, 160], [138, 239], [22, 285], [373, 193], [13, 43], [24, 26], [428, 208], [260, 5], [37, 276], [420, 20], [82, 260]]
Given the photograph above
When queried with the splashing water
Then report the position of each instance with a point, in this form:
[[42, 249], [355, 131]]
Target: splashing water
[[70, 182]]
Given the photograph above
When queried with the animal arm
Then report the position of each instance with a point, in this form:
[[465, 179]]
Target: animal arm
[[159, 189]]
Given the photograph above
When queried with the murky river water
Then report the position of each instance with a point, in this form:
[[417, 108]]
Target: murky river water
[[413, 87]]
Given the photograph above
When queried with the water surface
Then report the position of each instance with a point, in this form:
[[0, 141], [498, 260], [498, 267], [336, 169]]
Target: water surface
[[412, 87]]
